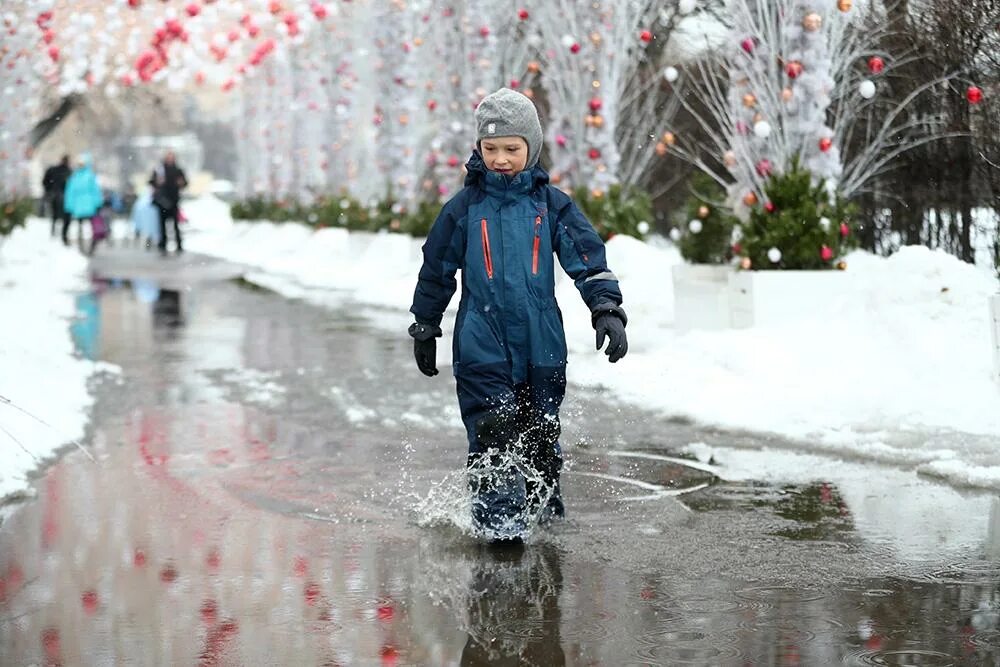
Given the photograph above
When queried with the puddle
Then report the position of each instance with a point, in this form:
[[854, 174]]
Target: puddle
[[241, 513]]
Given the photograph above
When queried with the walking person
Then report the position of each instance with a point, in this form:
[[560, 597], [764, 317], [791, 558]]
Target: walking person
[[168, 180], [83, 198], [503, 230], [54, 184]]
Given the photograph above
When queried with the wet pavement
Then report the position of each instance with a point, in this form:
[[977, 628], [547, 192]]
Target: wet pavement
[[275, 484]]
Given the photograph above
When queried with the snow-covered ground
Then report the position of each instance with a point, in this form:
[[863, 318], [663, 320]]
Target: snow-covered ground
[[899, 371], [44, 400]]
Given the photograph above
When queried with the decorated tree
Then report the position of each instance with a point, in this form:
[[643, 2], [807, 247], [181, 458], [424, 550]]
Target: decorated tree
[[599, 103], [783, 96]]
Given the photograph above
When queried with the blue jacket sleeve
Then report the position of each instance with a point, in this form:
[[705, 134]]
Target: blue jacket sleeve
[[581, 252], [443, 256]]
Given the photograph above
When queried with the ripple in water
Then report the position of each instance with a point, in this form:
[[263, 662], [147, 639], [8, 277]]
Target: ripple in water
[[686, 647], [901, 658], [763, 598]]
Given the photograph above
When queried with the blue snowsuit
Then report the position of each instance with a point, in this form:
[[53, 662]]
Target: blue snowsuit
[[509, 347]]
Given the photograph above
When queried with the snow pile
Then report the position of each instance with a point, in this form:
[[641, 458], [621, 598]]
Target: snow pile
[[898, 371], [39, 373]]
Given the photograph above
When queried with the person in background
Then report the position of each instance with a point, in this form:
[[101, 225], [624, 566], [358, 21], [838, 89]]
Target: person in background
[[83, 198], [168, 180], [54, 183]]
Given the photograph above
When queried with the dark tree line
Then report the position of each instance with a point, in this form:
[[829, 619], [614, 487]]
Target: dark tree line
[[929, 198]]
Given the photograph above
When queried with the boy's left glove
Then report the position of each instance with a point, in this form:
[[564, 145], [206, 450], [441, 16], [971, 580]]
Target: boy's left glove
[[609, 320], [425, 347]]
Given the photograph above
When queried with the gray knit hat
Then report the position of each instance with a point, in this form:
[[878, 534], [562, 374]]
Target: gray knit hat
[[508, 113]]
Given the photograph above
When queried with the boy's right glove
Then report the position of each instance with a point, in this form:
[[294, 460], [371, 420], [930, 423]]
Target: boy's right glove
[[609, 320], [425, 347]]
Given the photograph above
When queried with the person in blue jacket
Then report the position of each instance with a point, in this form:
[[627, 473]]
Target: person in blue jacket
[[84, 197], [504, 230]]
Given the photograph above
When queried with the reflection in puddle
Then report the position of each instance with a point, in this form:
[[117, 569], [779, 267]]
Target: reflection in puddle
[[213, 532]]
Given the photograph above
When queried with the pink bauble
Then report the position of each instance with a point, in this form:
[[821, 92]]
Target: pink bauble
[[825, 253]]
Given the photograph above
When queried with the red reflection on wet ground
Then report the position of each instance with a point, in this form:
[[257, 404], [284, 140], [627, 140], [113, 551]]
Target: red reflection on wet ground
[[89, 601], [209, 611], [217, 642], [52, 645]]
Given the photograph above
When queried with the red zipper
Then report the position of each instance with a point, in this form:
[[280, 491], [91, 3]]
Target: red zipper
[[486, 250], [538, 242]]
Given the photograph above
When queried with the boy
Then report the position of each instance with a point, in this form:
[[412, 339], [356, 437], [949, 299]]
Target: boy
[[503, 230]]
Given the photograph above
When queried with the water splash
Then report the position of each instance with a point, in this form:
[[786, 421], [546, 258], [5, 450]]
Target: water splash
[[449, 502]]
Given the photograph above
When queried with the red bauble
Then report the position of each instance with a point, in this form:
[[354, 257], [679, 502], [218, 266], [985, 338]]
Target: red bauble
[[432, 105], [825, 144], [595, 104], [974, 94], [825, 253], [737, 249], [876, 65], [646, 36], [514, 84], [319, 11], [453, 161], [522, 14], [844, 230], [575, 48], [484, 31], [233, 36], [770, 207], [54, 53], [594, 154], [192, 10], [748, 45], [793, 69], [134, 3], [764, 168]]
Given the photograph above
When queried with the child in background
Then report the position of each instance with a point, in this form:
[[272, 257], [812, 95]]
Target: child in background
[[503, 230]]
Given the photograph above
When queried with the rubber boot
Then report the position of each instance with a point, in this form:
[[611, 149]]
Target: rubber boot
[[495, 482]]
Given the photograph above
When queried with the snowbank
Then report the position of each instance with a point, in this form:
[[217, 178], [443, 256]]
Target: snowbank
[[899, 372], [39, 372]]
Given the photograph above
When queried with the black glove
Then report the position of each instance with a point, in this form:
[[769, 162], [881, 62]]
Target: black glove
[[610, 320], [425, 347]]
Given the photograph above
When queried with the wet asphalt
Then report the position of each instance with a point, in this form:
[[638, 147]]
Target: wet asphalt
[[276, 484]]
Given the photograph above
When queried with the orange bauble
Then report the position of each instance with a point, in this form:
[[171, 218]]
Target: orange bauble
[[750, 199]]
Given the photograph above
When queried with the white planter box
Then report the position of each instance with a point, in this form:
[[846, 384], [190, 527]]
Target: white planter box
[[768, 298], [701, 296], [995, 331]]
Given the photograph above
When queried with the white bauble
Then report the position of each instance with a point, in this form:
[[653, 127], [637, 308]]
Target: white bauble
[[762, 129], [675, 235], [695, 226], [867, 89], [643, 227], [671, 74], [568, 40], [687, 6], [825, 224], [456, 127], [774, 255]]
